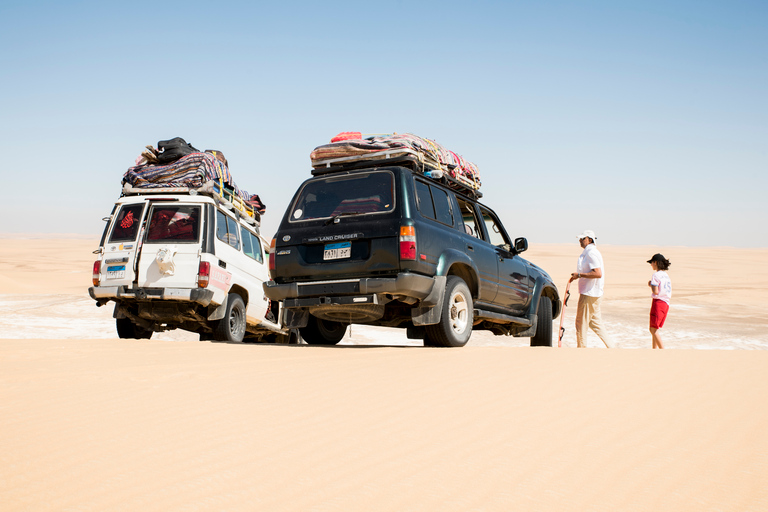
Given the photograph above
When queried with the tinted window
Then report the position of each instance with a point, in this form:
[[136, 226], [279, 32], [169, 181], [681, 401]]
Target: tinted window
[[127, 223], [173, 223], [442, 206], [353, 194], [226, 230], [251, 245], [424, 199]]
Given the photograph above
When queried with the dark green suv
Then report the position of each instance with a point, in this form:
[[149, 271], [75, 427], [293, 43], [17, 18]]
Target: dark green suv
[[383, 243]]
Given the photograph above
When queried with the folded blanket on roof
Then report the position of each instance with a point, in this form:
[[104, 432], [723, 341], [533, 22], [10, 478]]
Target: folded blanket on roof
[[189, 171], [456, 166]]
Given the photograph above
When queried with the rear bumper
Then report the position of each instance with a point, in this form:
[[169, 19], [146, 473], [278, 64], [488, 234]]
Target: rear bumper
[[105, 293], [405, 284]]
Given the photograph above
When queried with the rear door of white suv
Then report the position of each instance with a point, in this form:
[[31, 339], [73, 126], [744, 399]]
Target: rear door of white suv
[[122, 244], [170, 256]]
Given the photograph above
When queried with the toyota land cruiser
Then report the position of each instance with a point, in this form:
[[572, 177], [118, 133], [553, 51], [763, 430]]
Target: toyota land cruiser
[[381, 242], [187, 259]]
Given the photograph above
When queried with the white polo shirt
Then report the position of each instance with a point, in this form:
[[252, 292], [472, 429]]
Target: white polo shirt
[[589, 260]]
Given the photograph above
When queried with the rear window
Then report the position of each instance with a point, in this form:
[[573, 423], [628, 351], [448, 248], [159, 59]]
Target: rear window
[[177, 223], [355, 194], [127, 223]]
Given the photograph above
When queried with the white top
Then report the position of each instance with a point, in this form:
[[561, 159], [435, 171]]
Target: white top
[[589, 260], [662, 280]]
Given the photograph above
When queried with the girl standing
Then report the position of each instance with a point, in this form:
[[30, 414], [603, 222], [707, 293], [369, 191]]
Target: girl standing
[[661, 292]]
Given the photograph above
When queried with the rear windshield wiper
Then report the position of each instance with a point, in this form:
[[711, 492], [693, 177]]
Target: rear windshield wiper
[[335, 218]]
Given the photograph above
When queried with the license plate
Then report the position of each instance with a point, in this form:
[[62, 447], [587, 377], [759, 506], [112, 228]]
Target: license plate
[[116, 272], [337, 251]]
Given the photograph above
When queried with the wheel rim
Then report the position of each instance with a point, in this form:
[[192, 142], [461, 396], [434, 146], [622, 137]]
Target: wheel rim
[[237, 323], [459, 311]]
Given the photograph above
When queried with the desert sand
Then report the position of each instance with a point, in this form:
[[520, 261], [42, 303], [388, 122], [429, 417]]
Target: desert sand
[[91, 422]]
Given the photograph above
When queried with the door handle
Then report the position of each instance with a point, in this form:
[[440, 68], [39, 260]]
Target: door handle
[[470, 248]]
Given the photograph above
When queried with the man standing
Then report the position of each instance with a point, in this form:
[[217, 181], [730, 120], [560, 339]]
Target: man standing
[[591, 276]]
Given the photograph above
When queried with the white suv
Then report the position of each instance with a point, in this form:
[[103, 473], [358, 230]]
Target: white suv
[[185, 259]]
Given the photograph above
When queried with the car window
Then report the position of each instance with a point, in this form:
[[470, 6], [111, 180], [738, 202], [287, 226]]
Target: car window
[[469, 222], [442, 204], [493, 228], [434, 203], [251, 245], [350, 194], [127, 223], [424, 200], [226, 230], [177, 223]]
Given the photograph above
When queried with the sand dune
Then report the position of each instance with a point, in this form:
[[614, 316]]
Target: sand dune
[[90, 422]]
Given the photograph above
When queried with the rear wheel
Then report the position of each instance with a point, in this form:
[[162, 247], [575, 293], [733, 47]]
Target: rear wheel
[[455, 326], [323, 332], [127, 329], [232, 326], [543, 337]]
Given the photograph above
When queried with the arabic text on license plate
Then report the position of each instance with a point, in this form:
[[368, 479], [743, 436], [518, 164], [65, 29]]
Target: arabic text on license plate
[[337, 251], [116, 272]]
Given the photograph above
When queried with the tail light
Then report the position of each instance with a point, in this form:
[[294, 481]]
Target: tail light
[[96, 273], [272, 254], [203, 274], [407, 243]]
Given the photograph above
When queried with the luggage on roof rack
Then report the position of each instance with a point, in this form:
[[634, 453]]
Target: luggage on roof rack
[[201, 173], [419, 154]]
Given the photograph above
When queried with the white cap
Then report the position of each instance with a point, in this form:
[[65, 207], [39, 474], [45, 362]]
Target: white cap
[[588, 233]]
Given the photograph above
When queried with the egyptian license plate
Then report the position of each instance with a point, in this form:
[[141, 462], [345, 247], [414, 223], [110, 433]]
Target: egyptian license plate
[[337, 251], [116, 272]]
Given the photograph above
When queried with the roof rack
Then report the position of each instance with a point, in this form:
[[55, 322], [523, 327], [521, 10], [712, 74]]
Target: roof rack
[[221, 194], [414, 160]]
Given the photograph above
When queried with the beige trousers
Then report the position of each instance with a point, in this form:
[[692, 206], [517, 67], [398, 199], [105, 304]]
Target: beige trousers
[[588, 314]]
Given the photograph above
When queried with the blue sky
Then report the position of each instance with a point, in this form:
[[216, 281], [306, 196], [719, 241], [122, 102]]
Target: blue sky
[[644, 121]]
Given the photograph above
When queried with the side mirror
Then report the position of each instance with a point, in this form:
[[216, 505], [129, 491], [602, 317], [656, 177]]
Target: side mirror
[[521, 245]]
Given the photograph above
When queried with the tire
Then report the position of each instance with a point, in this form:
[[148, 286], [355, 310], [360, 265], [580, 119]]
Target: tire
[[323, 332], [456, 318], [232, 326], [127, 329], [543, 337]]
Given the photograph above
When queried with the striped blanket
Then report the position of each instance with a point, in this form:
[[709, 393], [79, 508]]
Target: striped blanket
[[190, 171], [452, 163]]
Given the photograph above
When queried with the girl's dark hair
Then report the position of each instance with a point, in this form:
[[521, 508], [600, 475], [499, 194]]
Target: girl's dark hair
[[661, 262]]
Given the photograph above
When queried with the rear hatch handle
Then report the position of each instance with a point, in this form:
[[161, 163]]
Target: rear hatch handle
[[335, 218]]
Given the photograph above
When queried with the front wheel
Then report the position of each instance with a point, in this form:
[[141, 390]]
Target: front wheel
[[323, 332], [232, 326], [127, 329], [455, 326], [543, 336]]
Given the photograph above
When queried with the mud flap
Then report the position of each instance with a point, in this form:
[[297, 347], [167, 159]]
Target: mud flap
[[533, 309], [294, 318], [218, 312], [428, 313]]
